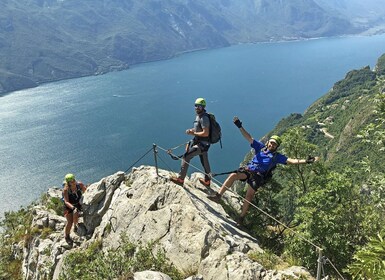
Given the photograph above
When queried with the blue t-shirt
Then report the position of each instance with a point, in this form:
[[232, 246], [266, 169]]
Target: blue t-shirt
[[263, 158]]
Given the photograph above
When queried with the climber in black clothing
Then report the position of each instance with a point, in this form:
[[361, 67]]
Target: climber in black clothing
[[72, 193]]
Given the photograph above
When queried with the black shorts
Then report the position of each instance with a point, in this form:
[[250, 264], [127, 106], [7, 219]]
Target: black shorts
[[254, 179], [69, 211]]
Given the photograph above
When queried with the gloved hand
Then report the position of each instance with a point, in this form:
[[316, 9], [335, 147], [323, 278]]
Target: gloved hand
[[310, 159], [237, 122]]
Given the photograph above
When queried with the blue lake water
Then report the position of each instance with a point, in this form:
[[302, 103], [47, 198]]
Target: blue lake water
[[95, 126]]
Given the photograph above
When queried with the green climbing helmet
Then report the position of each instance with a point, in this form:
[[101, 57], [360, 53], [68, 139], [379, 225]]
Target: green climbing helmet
[[200, 101], [276, 139], [69, 177]]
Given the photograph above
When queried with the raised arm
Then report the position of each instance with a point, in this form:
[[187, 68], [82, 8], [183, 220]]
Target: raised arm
[[302, 161], [243, 131]]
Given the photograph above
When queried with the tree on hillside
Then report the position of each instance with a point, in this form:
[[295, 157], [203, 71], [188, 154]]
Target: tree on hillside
[[279, 198], [368, 261], [374, 133], [340, 213]]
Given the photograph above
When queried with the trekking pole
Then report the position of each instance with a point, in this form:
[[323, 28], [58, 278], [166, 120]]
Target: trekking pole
[[156, 159]]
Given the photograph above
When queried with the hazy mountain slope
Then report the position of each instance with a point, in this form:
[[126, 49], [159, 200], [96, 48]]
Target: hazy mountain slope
[[47, 40], [359, 12], [302, 18]]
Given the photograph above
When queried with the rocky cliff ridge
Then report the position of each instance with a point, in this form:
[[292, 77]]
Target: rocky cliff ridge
[[196, 234]]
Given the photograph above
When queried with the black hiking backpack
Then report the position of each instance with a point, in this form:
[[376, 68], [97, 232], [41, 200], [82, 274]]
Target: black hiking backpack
[[215, 134]]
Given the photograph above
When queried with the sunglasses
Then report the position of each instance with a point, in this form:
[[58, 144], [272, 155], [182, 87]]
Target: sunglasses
[[198, 106]]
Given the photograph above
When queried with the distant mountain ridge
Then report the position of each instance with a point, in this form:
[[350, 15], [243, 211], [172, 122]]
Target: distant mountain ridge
[[49, 40], [359, 12]]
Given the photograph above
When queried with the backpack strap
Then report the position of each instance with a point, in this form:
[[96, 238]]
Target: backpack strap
[[210, 125]]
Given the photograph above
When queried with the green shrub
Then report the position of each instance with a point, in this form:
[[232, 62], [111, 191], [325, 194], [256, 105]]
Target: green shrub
[[15, 227], [56, 204], [369, 260], [45, 232], [267, 259], [121, 263], [53, 203]]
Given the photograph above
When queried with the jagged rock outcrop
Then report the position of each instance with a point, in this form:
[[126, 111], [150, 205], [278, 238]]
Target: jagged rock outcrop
[[195, 233]]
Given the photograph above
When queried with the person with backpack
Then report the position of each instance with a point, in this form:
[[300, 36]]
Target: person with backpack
[[72, 193], [258, 170], [199, 145]]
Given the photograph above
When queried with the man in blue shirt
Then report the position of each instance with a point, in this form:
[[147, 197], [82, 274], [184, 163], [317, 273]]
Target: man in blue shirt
[[265, 159]]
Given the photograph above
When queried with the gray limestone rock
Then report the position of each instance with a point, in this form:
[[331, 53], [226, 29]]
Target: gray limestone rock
[[196, 234], [150, 275]]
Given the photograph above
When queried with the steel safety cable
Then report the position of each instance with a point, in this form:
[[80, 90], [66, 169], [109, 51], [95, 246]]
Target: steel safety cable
[[139, 159], [255, 206]]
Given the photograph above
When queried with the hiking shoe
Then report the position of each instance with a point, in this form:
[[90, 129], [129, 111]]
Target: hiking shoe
[[215, 197], [69, 240], [177, 181], [205, 183], [240, 221]]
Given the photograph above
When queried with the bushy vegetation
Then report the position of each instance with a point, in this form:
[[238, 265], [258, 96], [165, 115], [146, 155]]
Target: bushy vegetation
[[356, 80], [337, 203], [16, 231], [121, 263], [91, 263], [369, 260], [53, 203], [349, 110], [321, 207], [380, 67], [268, 259]]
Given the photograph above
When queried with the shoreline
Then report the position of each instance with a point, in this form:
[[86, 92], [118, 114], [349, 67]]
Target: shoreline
[[272, 41]]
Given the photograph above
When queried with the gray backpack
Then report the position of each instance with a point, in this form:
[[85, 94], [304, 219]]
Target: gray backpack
[[215, 135]]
